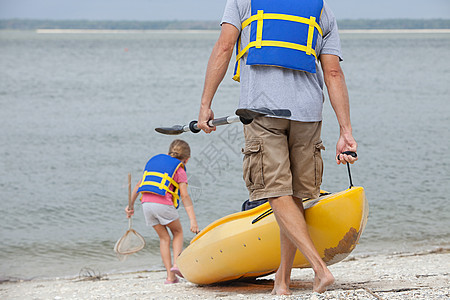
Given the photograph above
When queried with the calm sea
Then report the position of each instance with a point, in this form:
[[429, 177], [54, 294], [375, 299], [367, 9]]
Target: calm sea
[[78, 112]]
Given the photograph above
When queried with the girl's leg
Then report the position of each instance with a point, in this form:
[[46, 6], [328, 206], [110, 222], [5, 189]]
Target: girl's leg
[[177, 245], [164, 248]]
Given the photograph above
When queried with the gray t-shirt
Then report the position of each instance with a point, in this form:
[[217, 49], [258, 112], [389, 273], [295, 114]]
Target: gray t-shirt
[[282, 88]]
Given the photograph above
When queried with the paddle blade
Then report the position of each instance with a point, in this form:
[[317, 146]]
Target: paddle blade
[[282, 113], [251, 113], [174, 130]]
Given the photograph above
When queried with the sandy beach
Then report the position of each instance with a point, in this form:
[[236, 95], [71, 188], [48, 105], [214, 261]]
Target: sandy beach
[[398, 276]]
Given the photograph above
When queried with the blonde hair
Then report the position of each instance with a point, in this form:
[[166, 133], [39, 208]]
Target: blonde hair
[[180, 149]]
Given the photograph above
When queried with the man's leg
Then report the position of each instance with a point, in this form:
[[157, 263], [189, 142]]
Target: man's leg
[[288, 250], [268, 173], [292, 224], [283, 274]]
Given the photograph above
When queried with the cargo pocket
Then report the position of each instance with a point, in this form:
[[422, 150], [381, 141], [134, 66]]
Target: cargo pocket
[[253, 165], [318, 163]]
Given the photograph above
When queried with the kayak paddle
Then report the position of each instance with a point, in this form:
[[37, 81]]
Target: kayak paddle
[[244, 115]]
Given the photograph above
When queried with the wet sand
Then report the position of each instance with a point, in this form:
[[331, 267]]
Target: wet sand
[[398, 276]]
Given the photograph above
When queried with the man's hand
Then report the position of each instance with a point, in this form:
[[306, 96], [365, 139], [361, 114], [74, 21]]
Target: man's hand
[[346, 142], [204, 116]]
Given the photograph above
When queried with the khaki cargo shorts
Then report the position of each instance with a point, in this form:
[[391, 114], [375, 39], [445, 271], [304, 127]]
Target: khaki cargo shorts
[[282, 157]]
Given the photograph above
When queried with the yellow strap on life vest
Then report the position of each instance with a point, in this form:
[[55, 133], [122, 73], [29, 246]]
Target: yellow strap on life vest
[[271, 16], [165, 177], [309, 49], [258, 43], [237, 76], [259, 28], [277, 44]]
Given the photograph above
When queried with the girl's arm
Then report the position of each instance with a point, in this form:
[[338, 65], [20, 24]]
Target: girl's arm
[[130, 209], [188, 206]]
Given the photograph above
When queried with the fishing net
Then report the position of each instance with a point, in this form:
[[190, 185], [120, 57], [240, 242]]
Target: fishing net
[[131, 242]]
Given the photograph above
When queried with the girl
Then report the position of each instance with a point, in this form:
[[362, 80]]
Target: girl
[[163, 184]]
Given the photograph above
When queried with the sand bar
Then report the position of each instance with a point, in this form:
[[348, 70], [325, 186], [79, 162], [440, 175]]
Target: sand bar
[[398, 276]]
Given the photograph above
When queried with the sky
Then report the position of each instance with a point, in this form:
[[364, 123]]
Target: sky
[[155, 10]]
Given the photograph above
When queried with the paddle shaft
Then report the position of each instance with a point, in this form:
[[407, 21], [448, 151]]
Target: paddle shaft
[[222, 121], [211, 123]]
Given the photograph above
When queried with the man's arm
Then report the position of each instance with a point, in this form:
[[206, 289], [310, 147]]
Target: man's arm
[[215, 72], [337, 91]]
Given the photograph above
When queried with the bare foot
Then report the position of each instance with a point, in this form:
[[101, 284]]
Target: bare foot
[[171, 277], [280, 287], [321, 283], [281, 291], [168, 281]]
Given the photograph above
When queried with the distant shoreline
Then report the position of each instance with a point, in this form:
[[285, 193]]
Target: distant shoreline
[[133, 31], [394, 31], [122, 31], [347, 24]]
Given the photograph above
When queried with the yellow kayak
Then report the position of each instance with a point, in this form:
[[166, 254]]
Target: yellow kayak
[[247, 244]]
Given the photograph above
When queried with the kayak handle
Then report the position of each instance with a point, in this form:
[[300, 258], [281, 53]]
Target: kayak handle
[[244, 115], [352, 154]]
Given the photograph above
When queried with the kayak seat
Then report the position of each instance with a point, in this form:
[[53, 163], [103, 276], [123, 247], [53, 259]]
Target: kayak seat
[[252, 204]]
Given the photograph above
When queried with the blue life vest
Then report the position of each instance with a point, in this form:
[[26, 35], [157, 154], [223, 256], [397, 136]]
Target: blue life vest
[[283, 33], [158, 176]]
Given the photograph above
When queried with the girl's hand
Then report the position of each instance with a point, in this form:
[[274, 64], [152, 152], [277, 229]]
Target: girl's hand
[[194, 228], [129, 211]]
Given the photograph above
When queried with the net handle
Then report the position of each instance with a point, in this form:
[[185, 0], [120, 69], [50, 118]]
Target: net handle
[[129, 190], [129, 199]]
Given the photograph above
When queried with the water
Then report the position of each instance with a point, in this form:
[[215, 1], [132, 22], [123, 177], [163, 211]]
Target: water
[[78, 112]]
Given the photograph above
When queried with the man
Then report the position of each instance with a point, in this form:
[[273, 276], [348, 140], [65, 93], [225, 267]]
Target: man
[[279, 46]]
